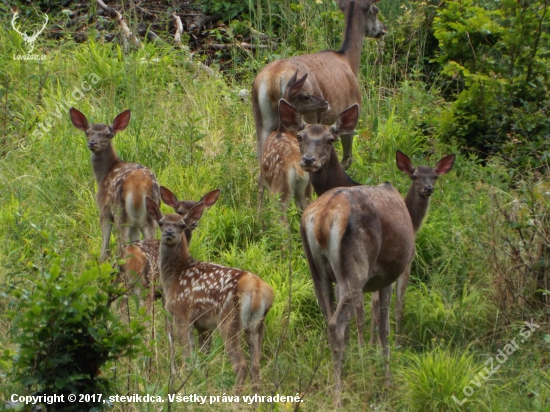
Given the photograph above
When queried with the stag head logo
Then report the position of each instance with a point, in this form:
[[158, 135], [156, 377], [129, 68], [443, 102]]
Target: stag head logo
[[29, 40]]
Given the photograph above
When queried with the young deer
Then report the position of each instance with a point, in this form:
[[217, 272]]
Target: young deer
[[121, 186], [141, 269], [323, 68], [315, 142], [417, 201], [206, 296], [280, 162]]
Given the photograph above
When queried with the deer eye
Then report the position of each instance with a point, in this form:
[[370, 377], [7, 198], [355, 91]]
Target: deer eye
[[161, 223], [331, 140], [299, 137], [414, 177], [307, 96]]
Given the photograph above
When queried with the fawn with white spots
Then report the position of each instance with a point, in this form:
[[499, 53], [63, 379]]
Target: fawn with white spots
[[280, 161], [141, 270], [121, 187], [205, 296]]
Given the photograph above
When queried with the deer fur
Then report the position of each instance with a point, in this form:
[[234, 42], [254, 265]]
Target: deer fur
[[206, 296], [316, 146], [322, 68], [121, 187], [280, 167], [417, 201], [141, 270]]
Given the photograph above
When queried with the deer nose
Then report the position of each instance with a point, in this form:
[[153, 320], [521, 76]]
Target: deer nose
[[92, 144], [169, 233], [429, 189], [308, 160]]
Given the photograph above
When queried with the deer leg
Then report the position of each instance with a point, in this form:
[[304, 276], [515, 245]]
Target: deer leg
[[205, 340], [106, 226], [337, 332], [149, 229], [347, 147], [375, 318], [261, 192], [360, 319], [401, 288], [302, 196], [183, 332], [384, 331], [255, 337], [229, 330]]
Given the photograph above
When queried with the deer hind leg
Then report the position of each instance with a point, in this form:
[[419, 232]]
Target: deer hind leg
[[254, 337], [205, 340], [303, 193], [384, 331], [149, 229], [401, 288], [375, 318], [337, 332], [347, 147], [230, 332]]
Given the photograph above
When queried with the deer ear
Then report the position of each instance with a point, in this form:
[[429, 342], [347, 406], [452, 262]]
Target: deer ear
[[194, 214], [289, 116], [168, 197], [296, 87], [346, 122], [404, 163], [121, 121], [211, 198], [445, 165], [78, 119], [153, 209]]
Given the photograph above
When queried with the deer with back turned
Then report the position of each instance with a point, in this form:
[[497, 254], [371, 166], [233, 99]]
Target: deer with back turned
[[332, 75], [121, 186], [280, 167], [206, 296], [141, 269]]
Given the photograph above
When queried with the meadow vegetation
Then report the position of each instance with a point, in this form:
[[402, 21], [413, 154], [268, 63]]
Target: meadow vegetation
[[482, 264]]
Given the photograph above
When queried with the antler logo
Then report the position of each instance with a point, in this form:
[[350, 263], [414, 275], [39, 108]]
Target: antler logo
[[29, 40]]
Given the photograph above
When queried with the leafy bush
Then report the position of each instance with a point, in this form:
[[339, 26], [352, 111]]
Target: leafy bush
[[64, 328], [495, 56]]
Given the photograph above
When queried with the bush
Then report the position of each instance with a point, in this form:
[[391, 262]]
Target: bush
[[64, 330]]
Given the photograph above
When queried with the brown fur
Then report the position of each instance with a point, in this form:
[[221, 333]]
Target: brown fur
[[142, 257], [117, 183], [362, 239], [207, 297], [322, 67], [417, 200]]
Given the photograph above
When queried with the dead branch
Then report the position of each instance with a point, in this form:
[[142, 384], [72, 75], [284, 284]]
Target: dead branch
[[126, 33]]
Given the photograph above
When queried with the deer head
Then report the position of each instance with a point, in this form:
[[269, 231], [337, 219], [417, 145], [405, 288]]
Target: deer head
[[373, 27], [316, 140], [424, 177], [29, 40], [303, 101], [99, 135]]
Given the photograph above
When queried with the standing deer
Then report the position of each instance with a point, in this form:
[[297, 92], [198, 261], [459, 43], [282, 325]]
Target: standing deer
[[141, 269], [316, 146], [417, 201], [323, 68], [121, 187], [280, 162], [206, 296]]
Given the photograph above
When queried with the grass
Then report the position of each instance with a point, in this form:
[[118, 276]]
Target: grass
[[195, 132]]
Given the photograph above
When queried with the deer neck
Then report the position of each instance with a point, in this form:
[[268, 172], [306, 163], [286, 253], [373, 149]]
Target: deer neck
[[417, 205], [330, 176], [173, 260], [354, 36], [103, 162]]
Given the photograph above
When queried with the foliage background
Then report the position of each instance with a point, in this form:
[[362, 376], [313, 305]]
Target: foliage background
[[465, 77]]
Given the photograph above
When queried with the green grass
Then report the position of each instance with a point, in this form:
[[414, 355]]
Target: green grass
[[197, 135]]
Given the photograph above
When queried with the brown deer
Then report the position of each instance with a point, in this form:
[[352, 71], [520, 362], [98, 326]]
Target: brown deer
[[141, 270], [121, 186], [316, 145], [417, 201], [206, 296], [280, 162], [323, 68]]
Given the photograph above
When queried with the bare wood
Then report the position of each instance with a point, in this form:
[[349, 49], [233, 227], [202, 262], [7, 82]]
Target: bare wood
[[179, 28], [121, 187], [205, 296], [126, 33], [322, 68]]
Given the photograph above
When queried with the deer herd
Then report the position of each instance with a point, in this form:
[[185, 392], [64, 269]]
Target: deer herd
[[356, 238]]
